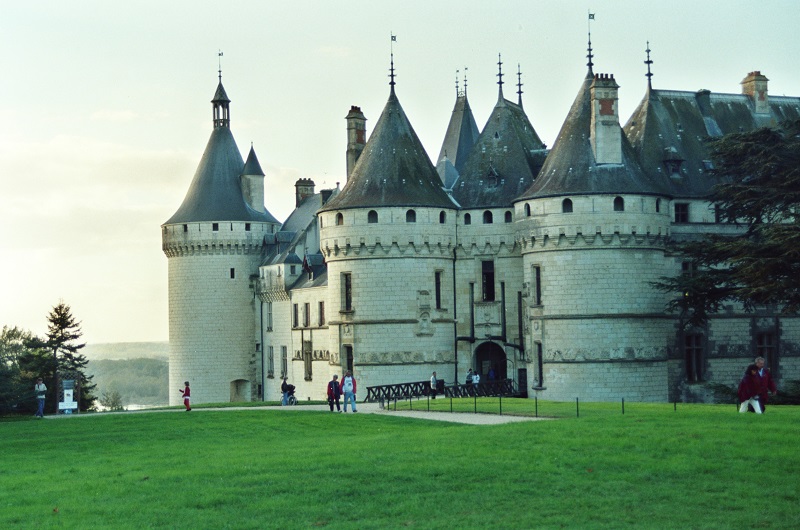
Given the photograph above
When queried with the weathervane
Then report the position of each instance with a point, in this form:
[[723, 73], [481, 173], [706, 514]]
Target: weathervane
[[589, 55], [465, 81], [519, 84], [649, 74], [219, 62], [391, 51]]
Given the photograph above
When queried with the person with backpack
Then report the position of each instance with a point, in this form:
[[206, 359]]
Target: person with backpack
[[349, 390]]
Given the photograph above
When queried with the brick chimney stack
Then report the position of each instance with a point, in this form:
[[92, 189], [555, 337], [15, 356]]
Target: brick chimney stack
[[303, 188], [356, 136], [606, 134], [755, 86]]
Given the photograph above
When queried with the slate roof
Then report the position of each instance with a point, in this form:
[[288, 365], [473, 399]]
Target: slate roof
[[462, 132], [252, 167], [675, 125], [504, 160], [570, 168], [393, 169]]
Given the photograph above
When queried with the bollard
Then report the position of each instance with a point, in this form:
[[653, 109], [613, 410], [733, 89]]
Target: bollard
[[536, 406], [623, 406], [501, 404], [577, 409]]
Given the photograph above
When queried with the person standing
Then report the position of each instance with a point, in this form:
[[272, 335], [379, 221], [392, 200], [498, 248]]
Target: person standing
[[41, 392], [285, 392], [349, 390], [749, 389], [767, 383], [434, 382], [476, 380], [187, 396], [334, 393]]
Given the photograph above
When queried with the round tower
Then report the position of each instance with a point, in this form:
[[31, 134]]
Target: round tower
[[593, 228], [213, 244], [388, 240]]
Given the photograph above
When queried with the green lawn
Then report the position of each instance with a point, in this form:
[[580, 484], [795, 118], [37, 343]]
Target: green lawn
[[700, 466]]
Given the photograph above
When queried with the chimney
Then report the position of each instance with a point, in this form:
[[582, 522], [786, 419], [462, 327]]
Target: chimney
[[605, 134], [755, 86], [303, 188], [356, 136]]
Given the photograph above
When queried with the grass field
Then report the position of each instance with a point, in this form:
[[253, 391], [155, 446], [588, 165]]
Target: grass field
[[700, 466]]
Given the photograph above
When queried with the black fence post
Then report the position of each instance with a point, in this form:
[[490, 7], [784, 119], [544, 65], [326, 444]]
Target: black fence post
[[476, 403], [675, 407], [577, 409], [501, 404], [536, 406], [623, 406], [429, 403], [451, 402]]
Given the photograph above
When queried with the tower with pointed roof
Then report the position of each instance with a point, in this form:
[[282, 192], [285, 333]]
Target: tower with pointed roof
[[213, 243]]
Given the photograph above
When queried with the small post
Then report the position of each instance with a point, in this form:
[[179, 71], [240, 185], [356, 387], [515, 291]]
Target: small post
[[501, 404], [476, 402], [429, 402], [675, 407], [623, 406], [536, 406], [410, 404], [451, 402], [577, 409]]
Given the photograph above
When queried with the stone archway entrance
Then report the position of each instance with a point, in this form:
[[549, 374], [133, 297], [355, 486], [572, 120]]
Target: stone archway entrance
[[490, 355]]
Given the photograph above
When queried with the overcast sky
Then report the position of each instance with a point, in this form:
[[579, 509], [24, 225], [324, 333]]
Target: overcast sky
[[106, 109]]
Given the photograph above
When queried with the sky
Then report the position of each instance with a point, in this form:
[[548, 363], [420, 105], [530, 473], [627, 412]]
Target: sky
[[107, 109]]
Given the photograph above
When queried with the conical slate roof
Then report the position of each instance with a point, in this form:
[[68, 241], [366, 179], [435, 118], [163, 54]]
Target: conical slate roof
[[571, 169], [393, 169], [462, 132], [252, 167], [504, 160], [220, 95]]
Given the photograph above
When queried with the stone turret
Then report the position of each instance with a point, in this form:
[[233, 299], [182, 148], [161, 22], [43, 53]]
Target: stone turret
[[755, 86], [605, 132], [356, 136], [253, 182]]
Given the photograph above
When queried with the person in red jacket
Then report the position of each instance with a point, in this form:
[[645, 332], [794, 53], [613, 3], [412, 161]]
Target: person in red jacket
[[767, 383], [749, 390], [187, 394], [334, 393]]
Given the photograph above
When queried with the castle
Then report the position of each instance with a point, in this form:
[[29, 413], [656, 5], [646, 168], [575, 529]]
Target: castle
[[534, 264]]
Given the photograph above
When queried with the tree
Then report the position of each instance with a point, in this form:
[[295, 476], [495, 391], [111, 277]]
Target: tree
[[758, 191], [63, 332], [21, 362]]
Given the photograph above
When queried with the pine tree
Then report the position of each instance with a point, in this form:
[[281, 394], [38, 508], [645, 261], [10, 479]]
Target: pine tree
[[758, 266], [63, 332]]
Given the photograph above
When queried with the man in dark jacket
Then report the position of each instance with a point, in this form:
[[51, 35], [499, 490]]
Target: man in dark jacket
[[334, 393], [767, 383]]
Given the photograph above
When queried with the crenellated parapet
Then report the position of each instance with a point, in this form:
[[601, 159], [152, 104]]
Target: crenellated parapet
[[218, 238]]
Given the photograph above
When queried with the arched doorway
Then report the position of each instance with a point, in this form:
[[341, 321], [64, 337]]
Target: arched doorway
[[490, 356]]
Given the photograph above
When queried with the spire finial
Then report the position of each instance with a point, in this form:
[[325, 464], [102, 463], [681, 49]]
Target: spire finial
[[589, 55], [391, 68], [458, 93], [219, 63], [519, 84], [649, 74], [500, 72], [465, 81]]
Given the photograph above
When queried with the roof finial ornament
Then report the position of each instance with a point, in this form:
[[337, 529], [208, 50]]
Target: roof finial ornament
[[519, 84], [500, 73], [589, 56], [391, 68], [458, 92], [465, 81], [649, 74], [219, 63]]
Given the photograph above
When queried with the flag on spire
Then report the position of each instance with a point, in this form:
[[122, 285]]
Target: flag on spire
[[591, 16]]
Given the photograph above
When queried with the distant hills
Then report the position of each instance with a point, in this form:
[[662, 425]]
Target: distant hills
[[126, 350]]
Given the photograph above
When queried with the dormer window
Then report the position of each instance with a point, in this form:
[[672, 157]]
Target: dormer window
[[492, 178], [672, 162]]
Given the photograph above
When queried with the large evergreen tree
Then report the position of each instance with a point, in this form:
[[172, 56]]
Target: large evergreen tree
[[21, 362], [759, 265], [63, 332]]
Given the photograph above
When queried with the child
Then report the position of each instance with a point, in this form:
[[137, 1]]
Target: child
[[749, 389], [186, 393]]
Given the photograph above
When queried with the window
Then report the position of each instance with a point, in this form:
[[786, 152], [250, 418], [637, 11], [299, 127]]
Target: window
[[487, 280], [215, 227], [292, 269], [185, 228], [271, 362], [295, 315], [467, 219], [508, 217], [347, 291], [766, 348], [308, 364], [247, 227], [527, 210], [437, 278], [687, 268], [681, 212], [442, 217], [284, 362], [411, 216], [306, 315], [322, 313], [348, 357], [540, 365], [658, 205], [487, 217], [372, 217], [619, 204], [693, 349], [339, 219], [566, 206], [536, 288], [269, 316], [233, 273]]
